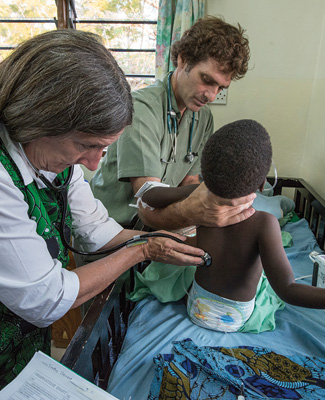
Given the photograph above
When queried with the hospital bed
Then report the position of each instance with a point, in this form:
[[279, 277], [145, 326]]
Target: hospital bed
[[117, 340]]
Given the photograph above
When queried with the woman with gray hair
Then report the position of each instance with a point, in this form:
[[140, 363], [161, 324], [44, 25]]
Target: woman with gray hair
[[63, 99]]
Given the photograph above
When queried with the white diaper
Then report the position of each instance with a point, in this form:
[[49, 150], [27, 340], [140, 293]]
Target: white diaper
[[211, 311]]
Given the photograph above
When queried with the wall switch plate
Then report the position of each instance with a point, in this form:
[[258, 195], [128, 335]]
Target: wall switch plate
[[221, 97]]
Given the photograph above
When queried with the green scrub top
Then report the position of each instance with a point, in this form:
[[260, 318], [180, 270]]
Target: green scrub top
[[142, 146]]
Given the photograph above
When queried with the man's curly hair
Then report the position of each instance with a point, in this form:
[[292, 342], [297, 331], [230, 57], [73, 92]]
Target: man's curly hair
[[236, 159], [211, 37]]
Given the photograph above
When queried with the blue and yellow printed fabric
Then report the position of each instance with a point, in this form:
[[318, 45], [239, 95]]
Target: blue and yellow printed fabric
[[193, 372]]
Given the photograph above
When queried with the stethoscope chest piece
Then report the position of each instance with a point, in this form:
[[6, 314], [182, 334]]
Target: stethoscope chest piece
[[190, 157], [207, 260]]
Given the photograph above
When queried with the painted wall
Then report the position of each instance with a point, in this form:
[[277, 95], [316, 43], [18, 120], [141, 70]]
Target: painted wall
[[284, 88], [313, 165]]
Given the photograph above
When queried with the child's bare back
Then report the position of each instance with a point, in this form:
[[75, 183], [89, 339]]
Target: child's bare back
[[236, 263]]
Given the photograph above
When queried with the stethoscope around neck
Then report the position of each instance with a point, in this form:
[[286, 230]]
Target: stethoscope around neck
[[172, 126]]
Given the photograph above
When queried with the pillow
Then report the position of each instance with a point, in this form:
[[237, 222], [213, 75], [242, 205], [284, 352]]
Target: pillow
[[279, 206]]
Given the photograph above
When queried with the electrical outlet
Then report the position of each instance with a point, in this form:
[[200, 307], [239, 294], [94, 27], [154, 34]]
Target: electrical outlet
[[221, 97]]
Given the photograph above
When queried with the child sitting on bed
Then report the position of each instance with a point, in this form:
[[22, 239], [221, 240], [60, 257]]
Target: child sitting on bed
[[235, 162]]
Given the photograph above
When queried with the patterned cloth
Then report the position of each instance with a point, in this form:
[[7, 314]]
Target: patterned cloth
[[175, 17], [217, 373]]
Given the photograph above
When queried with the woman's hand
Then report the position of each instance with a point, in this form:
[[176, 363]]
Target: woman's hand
[[208, 209], [169, 251], [95, 276]]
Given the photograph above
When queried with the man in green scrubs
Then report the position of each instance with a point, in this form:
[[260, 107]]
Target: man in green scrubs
[[171, 124]]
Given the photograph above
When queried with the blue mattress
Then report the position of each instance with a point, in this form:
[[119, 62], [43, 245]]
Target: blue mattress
[[153, 327]]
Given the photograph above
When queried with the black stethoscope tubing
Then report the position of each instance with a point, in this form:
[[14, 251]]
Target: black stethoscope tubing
[[58, 188], [138, 239]]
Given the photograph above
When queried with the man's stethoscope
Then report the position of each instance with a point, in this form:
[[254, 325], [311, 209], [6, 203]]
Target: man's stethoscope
[[62, 190], [173, 128]]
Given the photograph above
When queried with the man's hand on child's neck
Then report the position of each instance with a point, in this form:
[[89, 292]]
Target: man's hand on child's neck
[[203, 208], [233, 211]]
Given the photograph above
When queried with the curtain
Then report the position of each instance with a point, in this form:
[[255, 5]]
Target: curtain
[[174, 18]]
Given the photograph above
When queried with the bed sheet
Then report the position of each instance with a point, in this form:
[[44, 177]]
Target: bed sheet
[[153, 327]]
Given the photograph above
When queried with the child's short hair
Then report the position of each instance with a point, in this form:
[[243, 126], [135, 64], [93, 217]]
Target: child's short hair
[[236, 159]]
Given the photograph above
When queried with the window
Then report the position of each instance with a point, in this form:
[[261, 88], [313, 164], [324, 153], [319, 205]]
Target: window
[[128, 28], [22, 19]]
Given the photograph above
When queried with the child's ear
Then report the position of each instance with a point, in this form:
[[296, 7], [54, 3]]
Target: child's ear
[[261, 188]]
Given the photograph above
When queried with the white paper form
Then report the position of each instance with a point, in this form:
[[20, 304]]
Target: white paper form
[[46, 379]]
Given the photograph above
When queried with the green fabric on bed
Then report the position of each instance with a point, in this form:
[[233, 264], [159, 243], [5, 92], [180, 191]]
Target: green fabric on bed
[[286, 239], [290, 217], [267, 302], [165, 281], [286, 236]]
